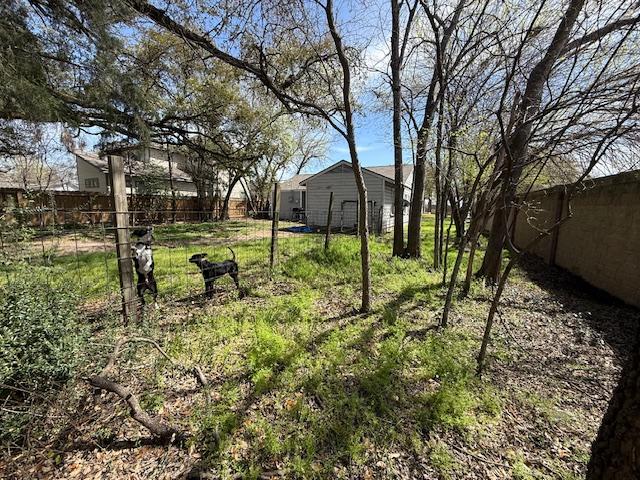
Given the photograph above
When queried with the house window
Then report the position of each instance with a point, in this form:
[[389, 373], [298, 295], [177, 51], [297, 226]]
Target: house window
[[92, 182]]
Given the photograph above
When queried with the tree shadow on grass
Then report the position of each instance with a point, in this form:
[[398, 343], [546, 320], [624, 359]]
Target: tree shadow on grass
[[213, 438], [353, 395], [418, 295]]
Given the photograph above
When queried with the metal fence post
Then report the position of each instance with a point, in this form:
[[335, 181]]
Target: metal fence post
[[123, 245], [328, 232], [273, 257]]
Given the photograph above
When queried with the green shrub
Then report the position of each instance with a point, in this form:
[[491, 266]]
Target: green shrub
[[270, 348], [39, 334], [459, 401]]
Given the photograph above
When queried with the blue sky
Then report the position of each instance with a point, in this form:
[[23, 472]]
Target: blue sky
[[358, 21], [374, 138]]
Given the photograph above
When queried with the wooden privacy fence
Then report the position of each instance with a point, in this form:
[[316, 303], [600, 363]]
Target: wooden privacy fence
[[600, 243], [49, 208]]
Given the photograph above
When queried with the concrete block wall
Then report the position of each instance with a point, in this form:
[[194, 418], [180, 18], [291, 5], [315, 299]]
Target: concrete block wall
[[600, 242]]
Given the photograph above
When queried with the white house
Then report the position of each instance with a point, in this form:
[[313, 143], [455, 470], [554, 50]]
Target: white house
[[93, 170], [93, 173], [340, 180]]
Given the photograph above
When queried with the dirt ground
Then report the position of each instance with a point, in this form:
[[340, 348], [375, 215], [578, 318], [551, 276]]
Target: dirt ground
[[73, 244], [564, 344], [568, 342]]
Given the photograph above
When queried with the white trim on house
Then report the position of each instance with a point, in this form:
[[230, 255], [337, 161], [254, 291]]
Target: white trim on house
[[91, 166]]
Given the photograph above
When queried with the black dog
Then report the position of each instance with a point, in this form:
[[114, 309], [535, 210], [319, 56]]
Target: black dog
[[143, 260], [143, 235], [212, 271]]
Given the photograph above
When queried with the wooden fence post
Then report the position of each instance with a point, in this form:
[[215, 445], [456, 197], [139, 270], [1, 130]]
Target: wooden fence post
[[556, 231], [328, 232], [273, 257], [123, 245], [357, 218]]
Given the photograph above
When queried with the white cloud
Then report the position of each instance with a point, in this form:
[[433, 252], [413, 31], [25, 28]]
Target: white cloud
[[360, 148]]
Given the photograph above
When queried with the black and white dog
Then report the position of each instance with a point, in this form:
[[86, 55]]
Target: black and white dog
[[143, 260], [212, 271]]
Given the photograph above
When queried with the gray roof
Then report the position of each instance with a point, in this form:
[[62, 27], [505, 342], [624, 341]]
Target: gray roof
[[138, 168], [386, 171], [50, 181], [389, 171], [293, 183], [93, 159]]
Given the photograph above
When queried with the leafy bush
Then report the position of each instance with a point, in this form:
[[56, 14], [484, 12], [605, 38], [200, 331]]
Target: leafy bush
[[451, 406], [39, 334]]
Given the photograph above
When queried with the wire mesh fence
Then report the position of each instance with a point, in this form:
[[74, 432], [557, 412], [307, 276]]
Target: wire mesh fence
[[80, 248]]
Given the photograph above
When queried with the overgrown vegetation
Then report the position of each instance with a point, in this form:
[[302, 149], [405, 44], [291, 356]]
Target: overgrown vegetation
[[40, 340], [300, 382]]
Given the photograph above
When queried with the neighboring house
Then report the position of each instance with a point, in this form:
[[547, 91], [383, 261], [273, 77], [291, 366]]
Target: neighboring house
[[340, 180], [32, 175], [93, 174], [293, 198], [140, 163]]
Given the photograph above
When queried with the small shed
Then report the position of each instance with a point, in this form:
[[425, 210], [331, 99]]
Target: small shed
[[339, 179]]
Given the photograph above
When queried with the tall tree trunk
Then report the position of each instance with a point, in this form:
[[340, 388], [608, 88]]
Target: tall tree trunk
[[417, 199], [446, 256], [475, 230], [434, 97], [456, 215], [350, 137], [224, 212], [444, 194], [492, 313], [398, 192], [173, 188], [466, 286], [492, 261], [439, 227], [614, 453], [444, 320], [518, 141]]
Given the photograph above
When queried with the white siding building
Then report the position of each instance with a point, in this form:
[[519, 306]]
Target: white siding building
[[93, 171], [340, 180]]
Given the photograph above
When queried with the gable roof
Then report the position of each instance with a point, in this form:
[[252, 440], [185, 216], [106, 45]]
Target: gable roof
[[389, 171], [137, 168], [293, 183], [386, 171]]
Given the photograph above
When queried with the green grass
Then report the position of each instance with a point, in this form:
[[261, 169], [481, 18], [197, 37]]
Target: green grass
[[443, 461], [301, 382], [95, 274], [325, 388]]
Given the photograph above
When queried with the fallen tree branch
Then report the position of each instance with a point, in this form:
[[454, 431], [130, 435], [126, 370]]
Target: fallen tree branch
[[156, 426], [196, 372], [111, 360]]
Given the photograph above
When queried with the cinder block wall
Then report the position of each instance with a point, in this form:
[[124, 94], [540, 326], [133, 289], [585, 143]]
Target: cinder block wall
[[601, 242]]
